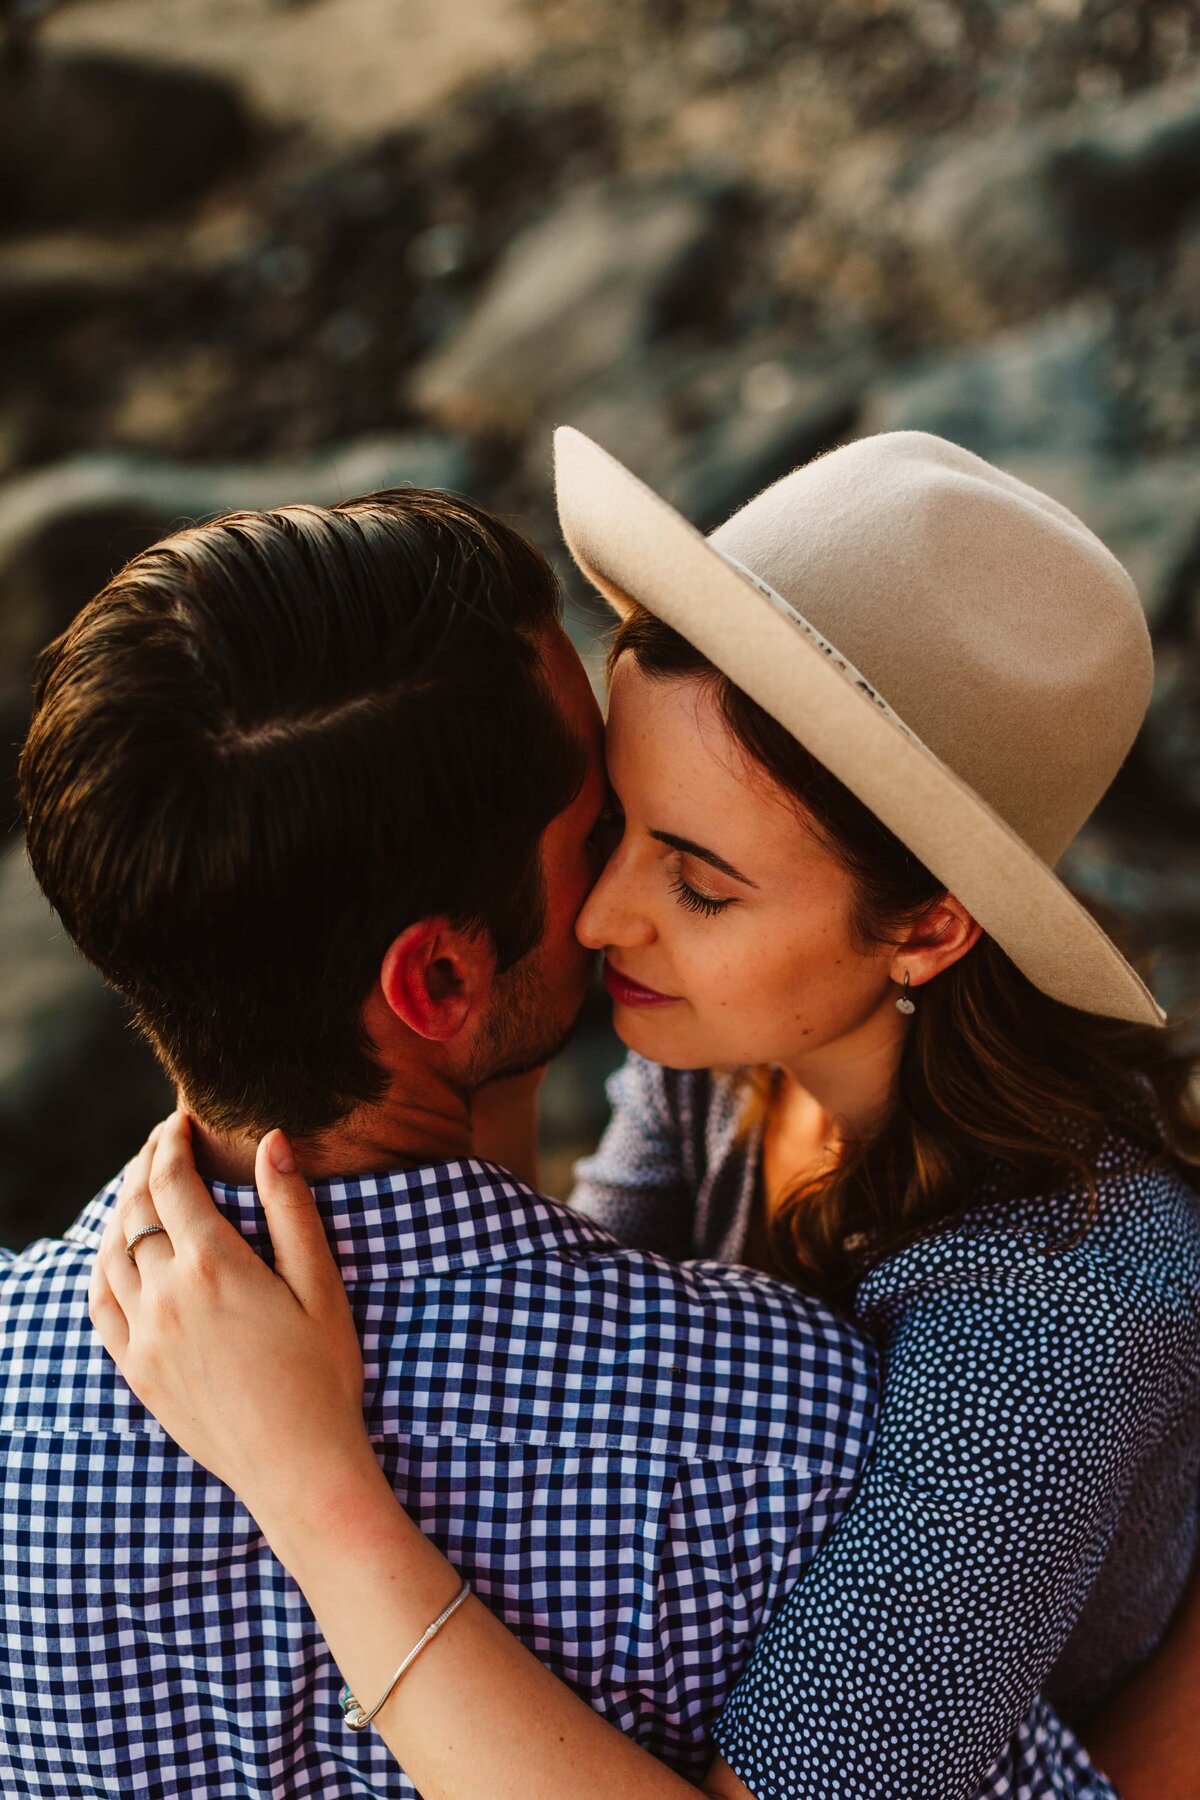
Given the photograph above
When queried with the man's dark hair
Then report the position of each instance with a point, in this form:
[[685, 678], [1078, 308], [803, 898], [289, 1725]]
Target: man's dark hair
[[269, 744]]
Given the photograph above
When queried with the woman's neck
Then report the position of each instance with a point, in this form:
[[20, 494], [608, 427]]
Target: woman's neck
[[838, 1094], [800, 1140], [843, 1091]]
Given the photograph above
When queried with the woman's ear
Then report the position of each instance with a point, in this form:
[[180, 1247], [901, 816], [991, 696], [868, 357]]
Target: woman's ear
[[943, 934], [435, 976]]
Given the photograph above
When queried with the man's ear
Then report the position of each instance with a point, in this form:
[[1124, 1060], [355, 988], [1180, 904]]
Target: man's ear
[[434, 976]]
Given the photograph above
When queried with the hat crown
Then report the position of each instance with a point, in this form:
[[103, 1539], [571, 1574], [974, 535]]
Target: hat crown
[[983, 615]]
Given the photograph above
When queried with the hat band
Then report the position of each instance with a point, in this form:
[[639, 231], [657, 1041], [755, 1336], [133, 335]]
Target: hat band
[[840, 662]]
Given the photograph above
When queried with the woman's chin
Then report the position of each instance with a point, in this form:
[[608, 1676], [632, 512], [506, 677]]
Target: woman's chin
[[649, 1033]]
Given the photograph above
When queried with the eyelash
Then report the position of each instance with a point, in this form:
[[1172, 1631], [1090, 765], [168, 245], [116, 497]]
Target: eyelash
[[699, 903]]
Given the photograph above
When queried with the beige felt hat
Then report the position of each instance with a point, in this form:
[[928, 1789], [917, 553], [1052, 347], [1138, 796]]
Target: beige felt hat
[[954, 646]]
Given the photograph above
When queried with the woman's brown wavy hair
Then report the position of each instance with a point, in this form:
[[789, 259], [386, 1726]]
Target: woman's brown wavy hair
[[997, 1081]]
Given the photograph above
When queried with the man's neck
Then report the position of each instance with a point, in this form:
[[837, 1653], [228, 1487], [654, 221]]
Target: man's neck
[[392, 1134]]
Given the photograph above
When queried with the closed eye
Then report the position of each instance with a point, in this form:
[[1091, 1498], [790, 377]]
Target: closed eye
[[696, 901]]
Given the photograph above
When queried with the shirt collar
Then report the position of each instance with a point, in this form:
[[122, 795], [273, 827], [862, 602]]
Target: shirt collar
[[409, 1222]]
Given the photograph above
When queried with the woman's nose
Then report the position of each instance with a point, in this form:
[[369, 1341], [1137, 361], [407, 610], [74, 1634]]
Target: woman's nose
[[610, 914]]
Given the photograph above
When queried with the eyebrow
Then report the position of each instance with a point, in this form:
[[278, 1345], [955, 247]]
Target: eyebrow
[[698, 850]]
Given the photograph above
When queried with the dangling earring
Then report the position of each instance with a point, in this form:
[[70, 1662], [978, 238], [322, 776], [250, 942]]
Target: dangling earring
[[904, 1004]]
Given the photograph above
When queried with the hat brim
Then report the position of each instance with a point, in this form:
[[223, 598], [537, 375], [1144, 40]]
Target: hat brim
[[634, 547]]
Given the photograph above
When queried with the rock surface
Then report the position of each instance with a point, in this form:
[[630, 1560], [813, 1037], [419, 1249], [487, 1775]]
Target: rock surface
[[77, 1090], [718, 238], [1043, 385], [1168, 747], [718, 427], [89, 139], [1032, 213], [596, 283]]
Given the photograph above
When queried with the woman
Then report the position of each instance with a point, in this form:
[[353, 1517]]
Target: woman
[[946, 1105]]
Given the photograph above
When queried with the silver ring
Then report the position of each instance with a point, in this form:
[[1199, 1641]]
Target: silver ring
[[146, 1231]]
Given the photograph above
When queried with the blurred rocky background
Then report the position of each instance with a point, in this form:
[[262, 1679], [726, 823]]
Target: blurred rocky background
[[254, 251]]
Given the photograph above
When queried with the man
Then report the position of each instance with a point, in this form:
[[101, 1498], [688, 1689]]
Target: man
[[318, 791]]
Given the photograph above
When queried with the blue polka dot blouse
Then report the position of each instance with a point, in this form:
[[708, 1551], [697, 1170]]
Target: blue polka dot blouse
[[1029, 1515]]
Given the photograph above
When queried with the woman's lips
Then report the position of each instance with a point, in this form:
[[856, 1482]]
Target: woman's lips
[[632, 993]]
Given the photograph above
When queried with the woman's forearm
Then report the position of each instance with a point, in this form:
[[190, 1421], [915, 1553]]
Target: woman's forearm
[[1147, 1738], [477, 1717]]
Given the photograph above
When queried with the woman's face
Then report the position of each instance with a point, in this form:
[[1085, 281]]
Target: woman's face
[[723, 918]]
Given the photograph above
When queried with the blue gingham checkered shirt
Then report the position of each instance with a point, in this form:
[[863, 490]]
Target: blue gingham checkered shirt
[[631, 1460]]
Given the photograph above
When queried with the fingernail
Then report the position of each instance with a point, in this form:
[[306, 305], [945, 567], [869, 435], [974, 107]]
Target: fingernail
[[280, 1153]]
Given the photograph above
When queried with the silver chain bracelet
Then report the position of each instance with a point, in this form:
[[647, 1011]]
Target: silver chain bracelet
[[352, 1712]]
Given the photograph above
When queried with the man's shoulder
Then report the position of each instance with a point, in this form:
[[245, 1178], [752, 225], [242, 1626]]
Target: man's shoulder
[[708, 1360], [57, 1266], [43, 1288], [55, 1375], [712, 1300], [712, 1306]]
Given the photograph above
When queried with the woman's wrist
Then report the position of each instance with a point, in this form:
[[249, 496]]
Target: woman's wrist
[[373, 1579], [354, 1515], [307, 1505]]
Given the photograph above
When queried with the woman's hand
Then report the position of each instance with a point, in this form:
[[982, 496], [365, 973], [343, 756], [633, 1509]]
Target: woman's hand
[[257, 1375]]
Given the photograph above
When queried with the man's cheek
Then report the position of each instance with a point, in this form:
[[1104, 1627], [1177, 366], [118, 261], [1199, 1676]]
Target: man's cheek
[[567, 903]]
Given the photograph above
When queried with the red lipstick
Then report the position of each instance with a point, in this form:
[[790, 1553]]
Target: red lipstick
[[632, 993]]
